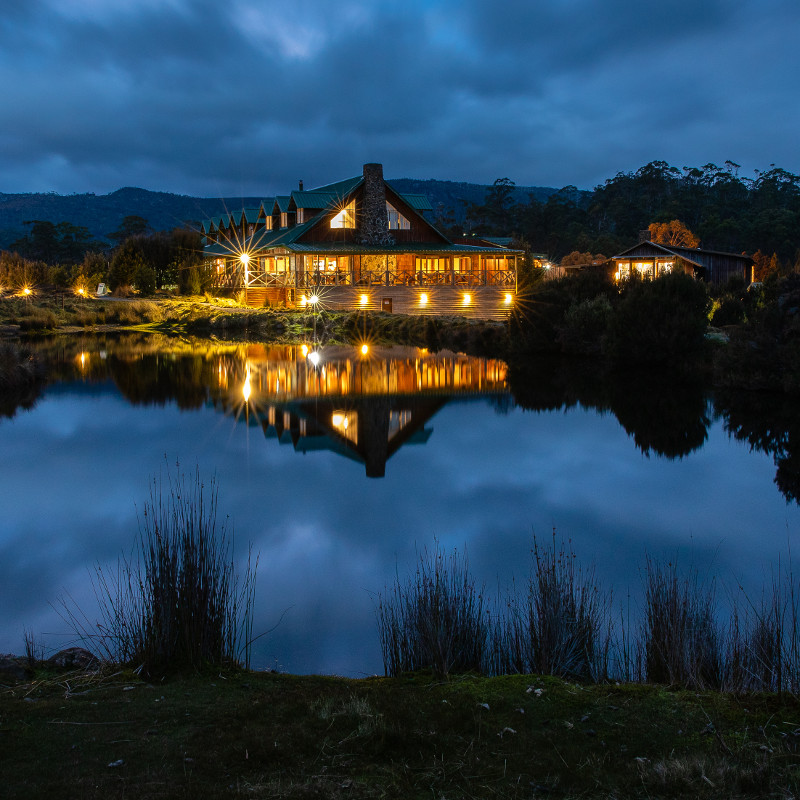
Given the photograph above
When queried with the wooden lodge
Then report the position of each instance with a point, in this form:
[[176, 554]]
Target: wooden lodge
[[358, 244], [649, 260]]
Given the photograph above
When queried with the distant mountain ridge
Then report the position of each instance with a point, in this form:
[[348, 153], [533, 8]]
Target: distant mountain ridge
[[102, 214]]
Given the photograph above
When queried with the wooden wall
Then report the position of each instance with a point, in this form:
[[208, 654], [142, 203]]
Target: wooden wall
[[486, 302]]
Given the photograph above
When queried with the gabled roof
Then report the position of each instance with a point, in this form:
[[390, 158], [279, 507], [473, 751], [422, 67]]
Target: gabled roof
[[282, 203], [419, 202], [690, 254]]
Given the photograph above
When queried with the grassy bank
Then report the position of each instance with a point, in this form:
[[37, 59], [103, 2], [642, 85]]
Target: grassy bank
[[277, 736]]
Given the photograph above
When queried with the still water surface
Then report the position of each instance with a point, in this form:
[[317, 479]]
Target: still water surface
[[338, 471]]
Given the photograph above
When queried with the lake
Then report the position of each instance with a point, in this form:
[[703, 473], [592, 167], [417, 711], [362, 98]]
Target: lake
[[339, 466]]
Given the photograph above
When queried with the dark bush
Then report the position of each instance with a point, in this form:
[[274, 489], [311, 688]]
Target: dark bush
[[659, 321], [144, 279], [731, 311]]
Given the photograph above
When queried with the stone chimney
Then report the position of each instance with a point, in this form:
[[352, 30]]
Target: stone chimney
[[301, 186], [374, 227], [644, 236]]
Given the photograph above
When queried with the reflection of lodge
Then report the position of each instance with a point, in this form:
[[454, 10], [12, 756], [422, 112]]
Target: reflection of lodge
[[362, 408], [358, 244]]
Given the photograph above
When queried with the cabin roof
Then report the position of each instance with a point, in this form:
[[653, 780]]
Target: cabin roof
[[685, 253]]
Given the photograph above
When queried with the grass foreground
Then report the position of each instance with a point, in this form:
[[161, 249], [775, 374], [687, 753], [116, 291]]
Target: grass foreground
[[268, 735]]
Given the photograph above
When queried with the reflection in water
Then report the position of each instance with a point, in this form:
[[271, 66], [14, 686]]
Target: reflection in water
[[769, 423], [365, 406], [665, 414]]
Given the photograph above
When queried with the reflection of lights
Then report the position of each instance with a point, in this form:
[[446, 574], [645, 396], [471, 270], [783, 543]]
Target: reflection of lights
[[83, 360], [339, 420], [364, 349], [246, 389], [423, 299], [364, 299], [314, 357], [304, 350], [509, 299], [467, 299]]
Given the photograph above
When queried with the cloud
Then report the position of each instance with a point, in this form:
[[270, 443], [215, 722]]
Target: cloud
[[212, 99]]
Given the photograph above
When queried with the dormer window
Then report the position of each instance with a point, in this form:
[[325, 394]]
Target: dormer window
[[284, 219], [346, 218], [397, 222]]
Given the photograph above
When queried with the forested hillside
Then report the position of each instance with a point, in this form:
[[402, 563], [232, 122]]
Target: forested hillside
[[727, 212]]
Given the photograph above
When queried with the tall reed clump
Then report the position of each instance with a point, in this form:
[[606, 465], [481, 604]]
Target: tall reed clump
[[177, 603], [435, 619], [763, 649], [563, 625], [680, 642]]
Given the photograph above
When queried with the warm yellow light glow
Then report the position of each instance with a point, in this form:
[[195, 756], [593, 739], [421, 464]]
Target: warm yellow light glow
[[26, 291], [314, 299], [314, 357], [364, 349], [81, 291], [339, 420], [467, 299], [303, 301], [423, 299], [83, 360], [245, 258], [304, 350], [246, 389], [364, 299], [509, 299]]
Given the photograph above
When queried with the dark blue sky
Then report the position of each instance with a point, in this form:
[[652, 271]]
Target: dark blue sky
[[246, 97]]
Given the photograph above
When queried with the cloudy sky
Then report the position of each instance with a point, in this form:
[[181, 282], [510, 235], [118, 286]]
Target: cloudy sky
[[245, 97]]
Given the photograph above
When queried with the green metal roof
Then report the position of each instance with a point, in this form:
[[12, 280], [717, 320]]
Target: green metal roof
[[282, 201], [419, 202]]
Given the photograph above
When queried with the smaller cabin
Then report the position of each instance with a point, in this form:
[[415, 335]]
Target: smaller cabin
[[649, 260]]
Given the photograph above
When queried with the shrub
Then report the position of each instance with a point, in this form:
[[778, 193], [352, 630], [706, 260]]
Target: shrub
[[178, 602], [563, 625], [434, 620], [658, 321], [730, 311], [144, 279], [680, 643], [585, 324]]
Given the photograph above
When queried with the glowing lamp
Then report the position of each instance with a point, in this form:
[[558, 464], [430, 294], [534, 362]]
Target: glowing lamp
[[245, 258], [303, 301], [81, 291], [314, 299], [509, 299], [423, 299], [26, 291], [364, 299], [364, 349], [467, 299]]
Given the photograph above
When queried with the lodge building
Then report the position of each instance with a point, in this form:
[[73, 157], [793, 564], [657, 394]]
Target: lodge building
[[649, 260], [358, 244]]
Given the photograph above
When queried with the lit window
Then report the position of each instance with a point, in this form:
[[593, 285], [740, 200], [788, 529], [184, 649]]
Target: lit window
[[397, 222], [284, 219], [346, 218]]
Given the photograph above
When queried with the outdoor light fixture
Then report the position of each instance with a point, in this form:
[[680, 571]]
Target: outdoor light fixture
[[364, 299], [467, 299], [26, 291], [314, 299], [423, 299], [303, 301], [245, 258], [509, 299], [364, 349]]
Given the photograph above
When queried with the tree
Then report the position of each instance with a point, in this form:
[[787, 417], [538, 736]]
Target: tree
[[132, 225], [673, 233], [55, 243]]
